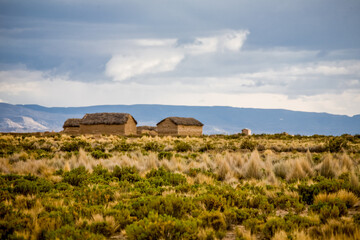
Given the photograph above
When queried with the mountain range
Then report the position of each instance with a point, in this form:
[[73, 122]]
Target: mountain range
[[217, 119]]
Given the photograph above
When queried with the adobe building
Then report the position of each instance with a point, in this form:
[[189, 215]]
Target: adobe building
[[72, 126], [108, 123], [152, 131], [246, 132], [180, 126]]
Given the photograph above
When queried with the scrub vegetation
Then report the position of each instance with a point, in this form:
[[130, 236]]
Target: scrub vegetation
[[211, 187]]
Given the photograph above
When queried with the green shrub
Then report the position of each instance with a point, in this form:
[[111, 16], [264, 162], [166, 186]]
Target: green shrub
[[100, 175], [162, 227], [12, 221], [167, 155], [182, 147], [212, 202], [74, 145], [102, 228], [252, 224], [248, 144], [77, 176], [129, 174], [336, 144], [153, 146], [121, 216], [170, 205], [123, 146], [206, 147], [70, 232], [333, 208], [31, 185], [272, 226], [98, 154], [162, 177], [294, 221], [214, 219]]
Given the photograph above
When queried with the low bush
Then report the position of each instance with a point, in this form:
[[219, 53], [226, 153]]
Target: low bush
[[248, 144], [273, 225], [77, 176], [98, 154], [162, 227], [162, 177], [74, 145], [31, 185], [165, 155], [336, 144], [153, 146], [102, 228], [182, 147], [129, 174], [123, 146], [215, 220], [70, 232]]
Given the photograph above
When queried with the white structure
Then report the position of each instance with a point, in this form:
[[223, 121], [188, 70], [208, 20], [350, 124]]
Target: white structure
[[246, 131]]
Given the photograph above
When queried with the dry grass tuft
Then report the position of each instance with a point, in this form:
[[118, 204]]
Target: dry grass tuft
[[354, 180], [203, 179], [281, 235], [242, 233], [328, 167], [349, 198], [346, 162], [254, 167], [297, 171]]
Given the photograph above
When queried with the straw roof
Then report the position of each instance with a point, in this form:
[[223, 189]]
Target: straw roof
[[106, 118], [72, 122], [183, 121]]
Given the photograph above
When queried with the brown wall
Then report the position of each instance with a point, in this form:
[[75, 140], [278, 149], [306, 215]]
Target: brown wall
[[130, 127], [71, 130], [167, 127], [102, 129], [124, 129], [189, 130]]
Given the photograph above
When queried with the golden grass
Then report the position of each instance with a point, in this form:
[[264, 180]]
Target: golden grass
[[242, 233], [228, 165], [348, 197], [254, 167], [328, 167]]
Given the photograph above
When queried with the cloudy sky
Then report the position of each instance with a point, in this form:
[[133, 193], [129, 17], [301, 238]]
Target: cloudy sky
[[300, 54]]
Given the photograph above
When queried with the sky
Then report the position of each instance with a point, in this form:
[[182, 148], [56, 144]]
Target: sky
[[300, 55]]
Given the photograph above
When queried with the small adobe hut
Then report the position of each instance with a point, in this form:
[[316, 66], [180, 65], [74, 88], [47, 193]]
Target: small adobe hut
[[246, 131], [72, 126], [180, 126], [146, 130], [108, 123]]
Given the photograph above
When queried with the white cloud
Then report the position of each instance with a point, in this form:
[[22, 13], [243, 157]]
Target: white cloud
[[121, 67], [228, 41], [149, 56], [233, 40]]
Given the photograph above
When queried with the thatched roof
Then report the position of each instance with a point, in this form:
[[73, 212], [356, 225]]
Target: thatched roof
[[183, 121], [106, 118], [150, 128], [72, 122]]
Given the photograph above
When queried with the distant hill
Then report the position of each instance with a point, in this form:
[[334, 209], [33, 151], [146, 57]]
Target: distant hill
[[224, 120]]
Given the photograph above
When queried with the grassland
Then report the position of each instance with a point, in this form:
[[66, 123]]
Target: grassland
[[211, 187]]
